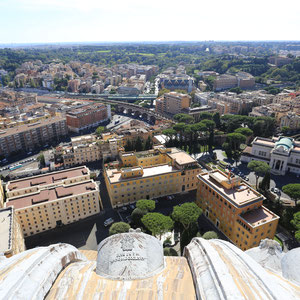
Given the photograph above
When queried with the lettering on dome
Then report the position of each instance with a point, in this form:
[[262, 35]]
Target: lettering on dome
[[128, 254]]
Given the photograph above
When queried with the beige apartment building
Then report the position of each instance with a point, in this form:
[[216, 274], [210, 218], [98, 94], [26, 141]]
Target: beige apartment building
[[29, 136], [88, 148], [11, 235], [235, 209], [46, 201], [173, 103], [150, 174]]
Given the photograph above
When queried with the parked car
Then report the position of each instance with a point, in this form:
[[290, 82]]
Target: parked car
[[108, 222]]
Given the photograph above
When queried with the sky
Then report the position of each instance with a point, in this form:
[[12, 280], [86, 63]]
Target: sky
[[58, 21]]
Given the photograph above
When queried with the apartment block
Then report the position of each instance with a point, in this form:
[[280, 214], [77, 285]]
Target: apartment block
[[29, 136], [150, 174], [173, 103], [89, 148], [51, 200], [235, 209], [225, 81], [11, 235], [87, 116]]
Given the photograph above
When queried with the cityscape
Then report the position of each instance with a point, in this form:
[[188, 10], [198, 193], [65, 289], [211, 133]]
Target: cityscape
[[148, 166]]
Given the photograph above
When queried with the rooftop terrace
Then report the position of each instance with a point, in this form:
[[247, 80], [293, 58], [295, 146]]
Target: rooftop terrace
[[240, 194], [258, 216], [114, 175]]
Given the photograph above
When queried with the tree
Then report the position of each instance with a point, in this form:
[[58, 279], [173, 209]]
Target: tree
[[146, 205], [292, 190], [179, 128], [119, 227], [100, 130], [184, 118], [210, 235], [296, 223], [41, 159], [235, 140], [163, 91], [244, 131], [265, 184], [137, 215], [236, 90], [227, 148], [186, 214], [216, 119], [170, 252], [148, 144], [157, 223], [260, 168], [138, 144], [171, 134]]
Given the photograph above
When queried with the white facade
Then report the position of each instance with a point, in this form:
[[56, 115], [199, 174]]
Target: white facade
[[282, 154]]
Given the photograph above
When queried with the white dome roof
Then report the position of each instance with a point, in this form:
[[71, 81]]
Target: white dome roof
[[127, 256], [268, 254], [290, 265]]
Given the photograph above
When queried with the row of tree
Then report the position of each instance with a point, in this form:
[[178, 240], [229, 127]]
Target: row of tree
[[138, 144]]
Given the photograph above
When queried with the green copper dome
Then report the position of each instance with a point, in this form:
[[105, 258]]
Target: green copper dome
[[287, 143]]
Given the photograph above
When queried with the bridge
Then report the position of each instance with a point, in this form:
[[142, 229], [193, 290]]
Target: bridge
[[129, 98], [126, 108], [137, 111]]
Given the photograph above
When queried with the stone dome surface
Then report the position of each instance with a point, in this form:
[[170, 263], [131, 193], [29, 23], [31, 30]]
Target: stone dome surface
[[127, 256], [268, 254], [290, 264]]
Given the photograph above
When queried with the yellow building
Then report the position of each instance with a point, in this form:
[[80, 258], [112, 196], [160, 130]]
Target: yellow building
[[46, 201], [235, 209], [150, 174], [11, 235]]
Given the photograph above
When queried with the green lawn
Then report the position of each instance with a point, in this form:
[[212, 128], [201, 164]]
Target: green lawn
[[279, 241]]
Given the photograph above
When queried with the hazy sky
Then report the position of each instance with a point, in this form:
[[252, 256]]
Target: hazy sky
[[38, 21]]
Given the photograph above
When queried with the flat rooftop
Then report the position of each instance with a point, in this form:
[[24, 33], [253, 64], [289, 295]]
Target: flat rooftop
[[258, 216], [22, 128], [239, 195], [6, 219], [182, 158], [265, 142], [148, 172], [47, 179], [51, 194]]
